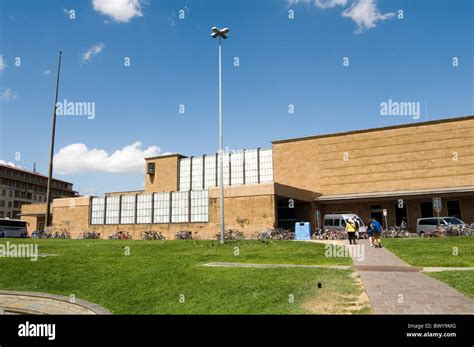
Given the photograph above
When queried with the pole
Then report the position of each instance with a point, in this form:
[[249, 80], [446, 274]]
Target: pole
[[221, 148], [51, 152]]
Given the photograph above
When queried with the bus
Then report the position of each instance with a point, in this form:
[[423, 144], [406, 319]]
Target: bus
[[12, 228]]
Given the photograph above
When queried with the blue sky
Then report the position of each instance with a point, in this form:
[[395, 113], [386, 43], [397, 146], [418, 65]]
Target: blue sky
[[283, 62]]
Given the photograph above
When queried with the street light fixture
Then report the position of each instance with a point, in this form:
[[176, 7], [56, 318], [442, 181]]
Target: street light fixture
[[220, 33]]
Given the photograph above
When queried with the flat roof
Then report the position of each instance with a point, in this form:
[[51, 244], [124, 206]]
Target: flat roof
[[166, 156], [30, 172], [409, 125]]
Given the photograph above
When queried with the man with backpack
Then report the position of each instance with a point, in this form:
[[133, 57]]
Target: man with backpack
[[376, 231]]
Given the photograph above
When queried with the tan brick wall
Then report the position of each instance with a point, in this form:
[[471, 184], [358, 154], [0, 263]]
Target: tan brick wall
[[165, 178], [418, 157], [249, 214], [32, 220]]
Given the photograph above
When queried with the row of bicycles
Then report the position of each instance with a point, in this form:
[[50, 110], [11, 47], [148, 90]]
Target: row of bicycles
[[451, 230]]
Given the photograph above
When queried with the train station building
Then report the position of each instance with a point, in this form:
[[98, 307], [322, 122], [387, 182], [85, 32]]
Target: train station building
[[399, 169]]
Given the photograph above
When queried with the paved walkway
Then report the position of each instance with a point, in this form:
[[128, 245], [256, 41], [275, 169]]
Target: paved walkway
[[254, 265], [398, 288]]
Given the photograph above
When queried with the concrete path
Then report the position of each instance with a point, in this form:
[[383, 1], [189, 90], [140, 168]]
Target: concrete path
[[254, 265], [398, 288], [15, 302]]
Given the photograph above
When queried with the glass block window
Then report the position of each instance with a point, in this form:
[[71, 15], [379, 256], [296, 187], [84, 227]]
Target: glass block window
[[210, 171], [161, 208], [144, 208], [266, 166], [97, 210], [237, 168], [197, 176], [179, 207], [225, 169], [251, 167], [112, 209], [184, 174], [199, 206], [128, 209]]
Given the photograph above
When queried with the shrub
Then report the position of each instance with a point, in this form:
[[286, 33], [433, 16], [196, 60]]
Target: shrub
[[231, 235], [151, 235]]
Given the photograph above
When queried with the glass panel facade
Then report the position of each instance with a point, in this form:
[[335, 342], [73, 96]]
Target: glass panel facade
[[198, 173], [144, 208], [210, 171], [128, 209], [97, 210], [237, 168], [240, 162], [112, 209], [179, 207], [266, 166], [199, 206], [251, 167], [161, 208], [184, 174]]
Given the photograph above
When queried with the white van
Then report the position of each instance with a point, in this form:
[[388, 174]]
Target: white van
[[337, 221], [428, 225]]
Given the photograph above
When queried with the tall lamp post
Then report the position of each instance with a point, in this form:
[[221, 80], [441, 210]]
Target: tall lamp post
[[220, 33], [47, 221]]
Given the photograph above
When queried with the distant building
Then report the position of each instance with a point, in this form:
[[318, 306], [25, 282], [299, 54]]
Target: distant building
[[19, 187], [397, 170]]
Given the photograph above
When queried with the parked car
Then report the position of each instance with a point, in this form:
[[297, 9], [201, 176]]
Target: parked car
[[338, 222], [426, 226]]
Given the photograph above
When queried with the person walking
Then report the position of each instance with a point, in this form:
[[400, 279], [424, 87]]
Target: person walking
[[369, 233], [376, 231], [351, 228]]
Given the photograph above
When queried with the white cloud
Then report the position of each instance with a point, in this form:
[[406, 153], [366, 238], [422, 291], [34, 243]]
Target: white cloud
[[365, 14], [7, 95], [320, 3], [94, 50], [47, 72], [77, 158], [3, 65], [9, 163], [120, 10]]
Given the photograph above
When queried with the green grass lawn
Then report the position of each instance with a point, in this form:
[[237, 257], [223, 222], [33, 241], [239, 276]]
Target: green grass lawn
[[436, 251], [152, 278], [439, 251], [461, 280]]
